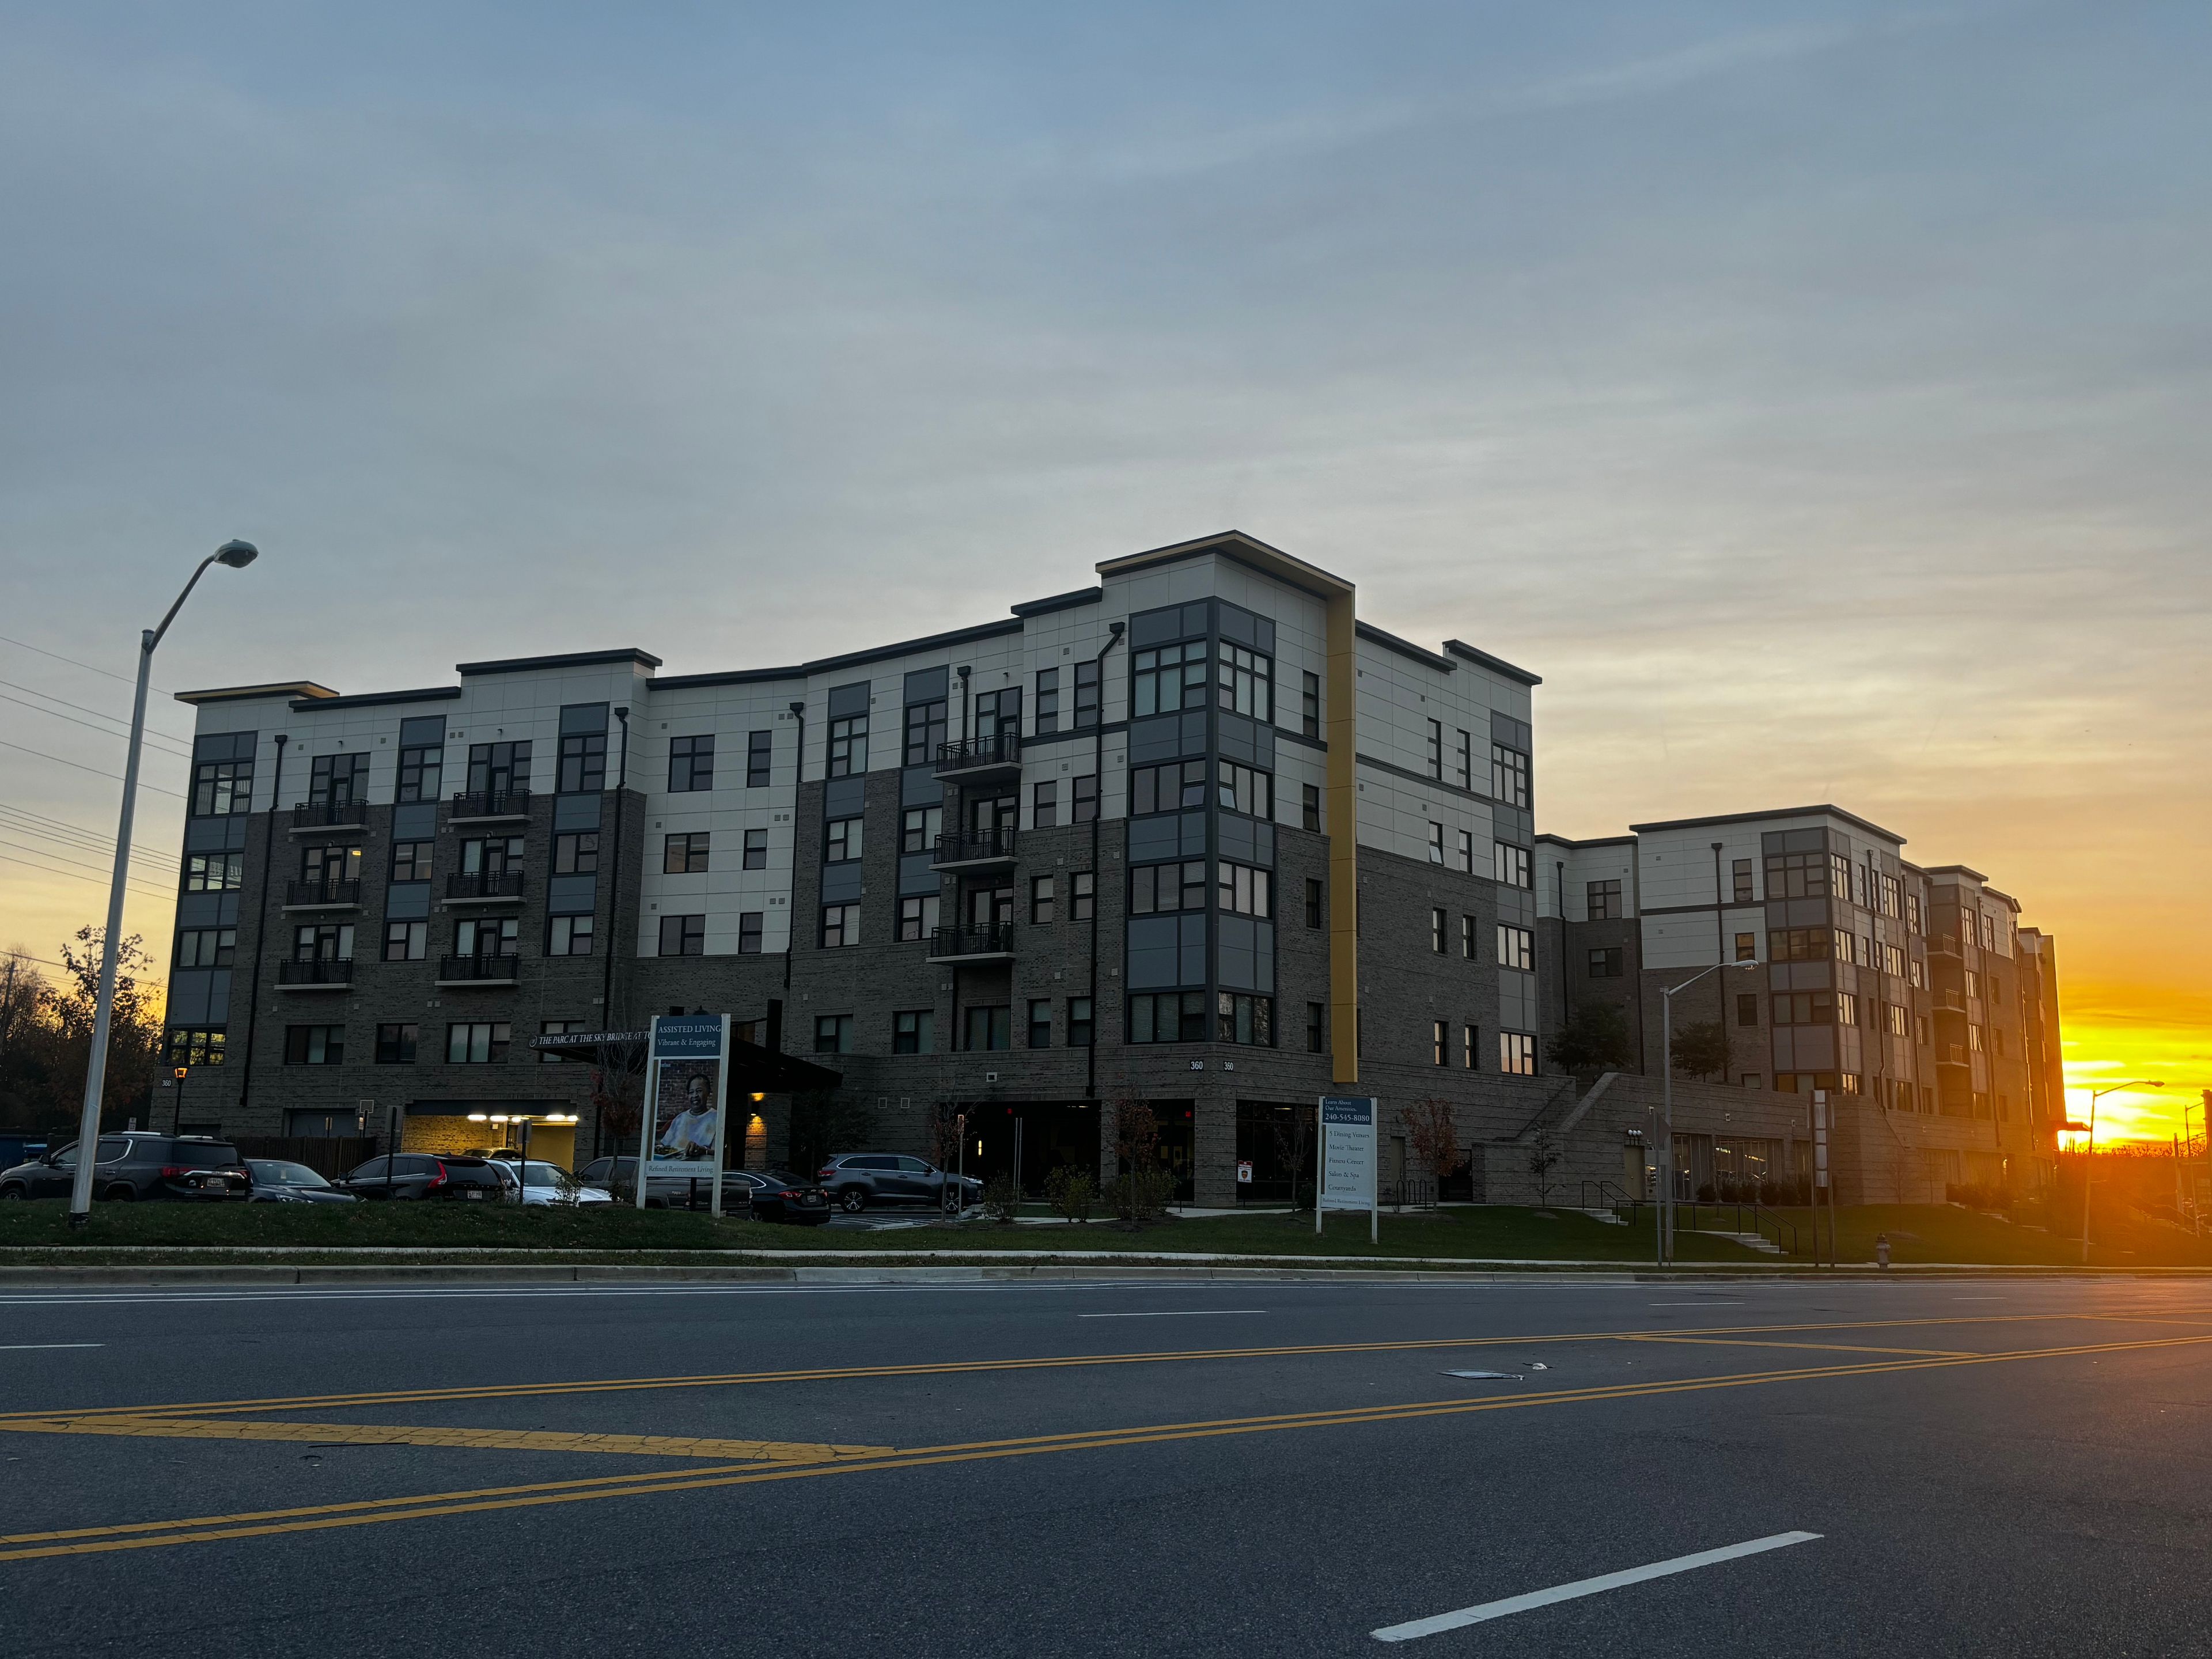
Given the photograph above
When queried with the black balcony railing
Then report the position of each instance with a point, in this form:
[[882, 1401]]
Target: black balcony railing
[[330, 814], [484, 884], [333, 893], [978, 754], [489, 804], [486, 970], [980, 847], [994, 941], [323, 970]]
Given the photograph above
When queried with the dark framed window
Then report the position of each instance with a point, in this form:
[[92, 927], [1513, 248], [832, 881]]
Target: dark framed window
[[1247, 1019], [1747, 948], [913, 1031], [918, 917], [1314, 890], [1467, 760], [749, 933], [1085, 798], [924, 729], [756, 854], [492, 855], [1602, 901], [1516, 1054], [411, 860], [1437, 941], [843, 841], [833, 1034], [1082, 897], [337, 780], [1041, 900], [1079, 1027], [760, 750], [1517, 947], [1245, 683], [206, 947], [1167, 678], [214, 872], [406, 941], [314, 1045], [1739, 871], [1316, 1020], [1436, 843], [395, 1044], [323, 941], [421, 772], [196, 1045], [1167, 788], [488, 936], [223, 789], [498, 769], [1310, 807], [1608, 961], [999, 713], [1157, 887], [1044, 805], [1467, 926], [1168, 1016], [690, 765], [1439, 1043], [569, 936], [1048, 702], [1514, 866], [1437, 750], [1509, 775], [841, 925], [1086, 695], [919, 829], [577, 855], [583, 763], [990, 1027], [848, 746], [1309, 710], [1747, 1009], [684, 936], [1470, 1046], [1040, 1021], [1243, 790]]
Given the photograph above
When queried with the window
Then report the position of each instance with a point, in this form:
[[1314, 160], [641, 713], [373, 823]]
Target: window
[[395, 1044], [1801, 945], [338, 779], [1843, 944], [1166, 679], [1243, 790], [1040, 1021], [1041, 900], [841, 925], [492, 855], [1166, 788], [314, 1045], [833, 1034], [760, 748], [684, 854], [1086, 695], [1515, 866], [1466, 851], [756, 852], [1244, 891], [1079, 1026], [1917, 972], [1437, 931], [1467, 761], [1467, 928], [990, 1027], [196, 1045], [1168, 1016], [1602, 901], [1974, 1039], [1747, 947], [1516, 1054], [406, 941], [1085, 798], [1892, 897], [222, 789], [487, 936], [323, 941], [1608, 961], [1310, 807], [1509, 775], [914, 1031], [1310, 703], [498, 769], [323, 865], [1044, 805], [1740, 870], [1247, 683], [569, 936], [684, 936], [1082, 897], [1436, 843], [1246, 1019], [1470, 1045], [749, 932], [990, 906], [1048, 702], [1847, 1008], [1896, 1020], [1317, 1027], [1517, 947], [1437, 750], [1747, 1008], [919, 829], [1839, 875], [924, 729], [1804, 1008], [848, 746], [557, 1028], [690, 765], [206, 947], [1912, 913], [1154, 887], [1797, 875], [918, 917], [842, 841], [999, 713], [583, 763], [1314, 891], [1439, 1043], [214, 872]]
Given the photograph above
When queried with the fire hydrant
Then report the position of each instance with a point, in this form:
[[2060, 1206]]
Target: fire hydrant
[[1881, 1250]]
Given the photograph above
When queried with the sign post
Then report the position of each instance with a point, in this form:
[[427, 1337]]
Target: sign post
[[1347, 1160], [687, 1098]]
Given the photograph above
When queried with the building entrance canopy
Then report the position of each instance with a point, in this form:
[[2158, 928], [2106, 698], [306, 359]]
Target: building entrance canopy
[[753, 1069]]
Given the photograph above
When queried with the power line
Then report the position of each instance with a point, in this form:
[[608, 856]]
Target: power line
[[63, 857], [143, 889], [74, 663], [56, 848], [176, 793], [84, 831], [152, 730], [154, 740], [103, 881], [78, 839]]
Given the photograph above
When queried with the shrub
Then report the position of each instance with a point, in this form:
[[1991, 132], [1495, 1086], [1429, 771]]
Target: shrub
[[1071, 1192], [1140, 1196], [1002, 1199]]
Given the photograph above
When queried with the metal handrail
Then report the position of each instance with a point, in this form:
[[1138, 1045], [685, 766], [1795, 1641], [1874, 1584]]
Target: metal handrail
[[489, 804], [971, 941], [330, 814], [485, 884], [965, 849], [1608, 1196], [346, 890], [319, 971], [1760, 1217], [479, 967], [1004, 750]]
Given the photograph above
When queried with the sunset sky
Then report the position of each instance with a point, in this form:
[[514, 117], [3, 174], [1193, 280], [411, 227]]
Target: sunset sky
[[1815, 395]]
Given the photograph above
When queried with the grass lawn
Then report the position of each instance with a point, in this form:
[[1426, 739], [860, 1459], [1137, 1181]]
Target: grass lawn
[[1943, 1232]]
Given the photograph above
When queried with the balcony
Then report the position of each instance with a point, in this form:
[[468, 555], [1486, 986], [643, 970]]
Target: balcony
[[986, 849], [488, 805], [1952, 1054], [324, 974], [972, 944], [338, 894], [980, 759], [476, 970], [318, 817], [1943, 945], [485, 887]]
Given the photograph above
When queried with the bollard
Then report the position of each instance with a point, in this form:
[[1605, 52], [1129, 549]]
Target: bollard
[[1881, 1250]]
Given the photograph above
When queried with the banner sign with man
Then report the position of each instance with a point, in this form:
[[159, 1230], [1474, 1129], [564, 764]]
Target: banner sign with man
[[687, 1091]]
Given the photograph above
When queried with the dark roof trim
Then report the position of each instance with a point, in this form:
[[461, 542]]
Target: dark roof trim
[[566, 660], [1058, 602], [1496, 664], [1595, 841], [1258, 558], [301, 688], [371, 699], [1375, 636], [727, 676], [1780, 812], [1952, 870], [935, 641]]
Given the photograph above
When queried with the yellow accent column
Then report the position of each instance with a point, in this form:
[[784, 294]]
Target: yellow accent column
[[1342, 822]]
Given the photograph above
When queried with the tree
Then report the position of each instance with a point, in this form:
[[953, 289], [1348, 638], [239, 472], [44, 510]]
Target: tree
[[1140, 1192], [1434, 1133], [1595, 1038], [824, 1122], [1294, 1137], [1702, 1049], [1543, 1159]]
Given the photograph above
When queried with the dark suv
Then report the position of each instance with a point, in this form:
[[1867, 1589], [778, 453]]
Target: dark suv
[[856, 1180], [137, 1164], [425, 1174]]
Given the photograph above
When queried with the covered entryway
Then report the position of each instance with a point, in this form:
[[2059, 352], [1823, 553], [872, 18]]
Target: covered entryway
[[1043, 1134]]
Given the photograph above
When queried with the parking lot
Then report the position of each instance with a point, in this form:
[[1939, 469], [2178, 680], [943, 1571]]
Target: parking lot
[[1961, 1465]]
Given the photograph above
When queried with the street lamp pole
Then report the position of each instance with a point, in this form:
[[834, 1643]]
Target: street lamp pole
[[236, 556], [2089, 1156], [1665, 1217]]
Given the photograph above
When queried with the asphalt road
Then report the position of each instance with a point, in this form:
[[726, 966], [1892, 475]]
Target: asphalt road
[[2000, 1468]]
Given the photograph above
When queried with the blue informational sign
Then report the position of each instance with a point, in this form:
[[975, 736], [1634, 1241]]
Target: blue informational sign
[[1347, 1155], [687, 1036]]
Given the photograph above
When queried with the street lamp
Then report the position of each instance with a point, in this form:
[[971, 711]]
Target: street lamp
[[1666, 1215], [237, 555], [2089, 1156]]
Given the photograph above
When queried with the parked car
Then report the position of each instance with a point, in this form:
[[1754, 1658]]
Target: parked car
[[661, 1192], [136, 1164], [857, 1180], [776, 1195], [275, 1181], [426, 1175], [549, 1183]]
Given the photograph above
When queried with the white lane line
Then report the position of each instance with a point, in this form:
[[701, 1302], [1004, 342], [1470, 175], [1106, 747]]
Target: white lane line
[[1175, 1313], [1544, 1598], [1693, 1304], [26, 1347]]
